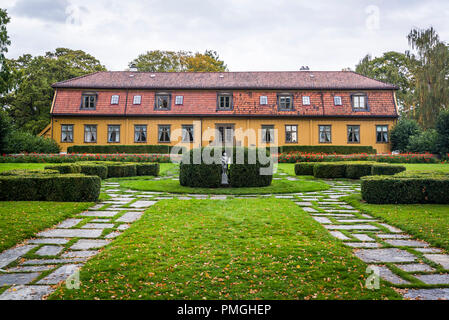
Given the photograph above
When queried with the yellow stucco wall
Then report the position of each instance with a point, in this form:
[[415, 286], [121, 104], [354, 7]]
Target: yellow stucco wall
[[307, 129]]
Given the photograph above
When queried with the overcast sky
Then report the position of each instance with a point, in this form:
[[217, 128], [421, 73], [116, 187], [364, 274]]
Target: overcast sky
[[249, 35]]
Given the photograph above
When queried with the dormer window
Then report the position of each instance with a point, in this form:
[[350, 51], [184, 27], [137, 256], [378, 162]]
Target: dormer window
[[285, 101], [224, 101], [162, 101], [179, 100], [137, 100], [338, 101], [306, 100], [263, 100], [359, 102], [88, 100], [114, 99]]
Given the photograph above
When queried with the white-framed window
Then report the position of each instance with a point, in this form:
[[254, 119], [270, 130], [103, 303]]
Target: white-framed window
[[179, 100], [263, 100], [90, 133], [137, 100], [353, 134], [163, 133], [187, 133], [285, 102], [338, 101], [382, 134], [224, 101], [291, 133], [140, 133], [325, 134], [306, 100], [67, 133], [113, 133], [114, 99], [268, 133], [359, 102]]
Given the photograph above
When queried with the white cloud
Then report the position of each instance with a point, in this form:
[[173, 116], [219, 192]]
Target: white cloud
[[248, 34]]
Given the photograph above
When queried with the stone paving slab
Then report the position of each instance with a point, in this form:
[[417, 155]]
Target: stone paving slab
[[105, 213], [49, 250], [384, 255], [428, 250], [336, 215], [304, 204], [393, 236], [98, 226], [427, 294], [363, 244], [113, 234], [52, 261], [142, 204], [389, 276], [353, 220], [31, 269], [10, 255], [26, 292], [407, 243], [308, 209], [84, 244], [48, 241], [339, 235], [352, 227], [17, 278], [71, 233], [69, 223], [415, 267], [441, 259], [130, 217], [80, 254], [391, 228], [362, 237], [434, 278], [123, 227], [60, 274]]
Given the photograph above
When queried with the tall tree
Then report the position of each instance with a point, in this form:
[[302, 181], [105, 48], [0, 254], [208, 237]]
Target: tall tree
[[430, 59], [179, 61], [32, 94], [392, 67], [4, 43]]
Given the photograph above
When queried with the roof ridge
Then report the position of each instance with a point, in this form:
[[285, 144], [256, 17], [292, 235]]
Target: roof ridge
[[383, 82], [79, 77]]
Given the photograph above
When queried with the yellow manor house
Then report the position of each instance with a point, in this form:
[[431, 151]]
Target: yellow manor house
[[241, 108]]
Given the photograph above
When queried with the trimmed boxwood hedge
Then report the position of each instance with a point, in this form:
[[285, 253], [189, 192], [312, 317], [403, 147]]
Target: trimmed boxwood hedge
[[18, 172], [304, 169], [403, 189], [329, 170], [50, 187], [164, 149], [329, 149], [65, 168], [386, 169], [200, 174], [147, 169], [358, 170], [94, 169], [117, 170]]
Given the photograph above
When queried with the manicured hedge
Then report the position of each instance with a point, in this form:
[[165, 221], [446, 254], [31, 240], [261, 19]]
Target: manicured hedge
[[386, 169], [147, 169], [65, 168], [406, 189], [329, 170], [120, 149], [329, 149], [304, 169], [195, 172], [117, 170], [94, 169], [18, 172], [358, 170], [50, 187]]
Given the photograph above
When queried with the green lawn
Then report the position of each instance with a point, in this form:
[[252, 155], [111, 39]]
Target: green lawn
[[234, 249], [173, 186], [426, 222], [22, 220], [427, 167]]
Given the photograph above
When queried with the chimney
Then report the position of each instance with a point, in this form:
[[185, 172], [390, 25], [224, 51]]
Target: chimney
[[133, 68]]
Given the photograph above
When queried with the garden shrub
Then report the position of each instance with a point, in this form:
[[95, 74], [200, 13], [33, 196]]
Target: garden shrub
[[329, 170], [426, 141], [194, 172], [304, 169], [358, 170], [403, 189], [442, 128], [249, 174], [50, 187], [401, 133], [329, 149], [19, 172], [65, 168], [165, 149], [25, 142], [147, 169], [117, 170], [94, 169], [386, 169]]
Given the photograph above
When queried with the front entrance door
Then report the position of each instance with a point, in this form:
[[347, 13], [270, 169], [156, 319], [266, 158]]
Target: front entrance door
[[225, 134]]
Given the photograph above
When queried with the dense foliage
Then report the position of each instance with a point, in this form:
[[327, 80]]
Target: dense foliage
[[401, 133], [25, 142]]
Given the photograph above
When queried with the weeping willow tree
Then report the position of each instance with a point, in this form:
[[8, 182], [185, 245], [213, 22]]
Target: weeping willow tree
[[430, 59]]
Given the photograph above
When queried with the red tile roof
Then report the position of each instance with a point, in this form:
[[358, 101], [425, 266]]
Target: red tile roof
[[290, 80]]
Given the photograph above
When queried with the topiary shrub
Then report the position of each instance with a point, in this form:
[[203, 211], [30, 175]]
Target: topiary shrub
[[358, 170], [50, 187], [65, 168], [386, 169], [406, 189], [194, 172], [147, 169], [117, 170], [329, 170], [94, 169], [304, 169], [248, 169], [19, 172]]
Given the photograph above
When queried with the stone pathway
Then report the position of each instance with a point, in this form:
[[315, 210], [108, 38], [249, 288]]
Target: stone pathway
[[32, 269]]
